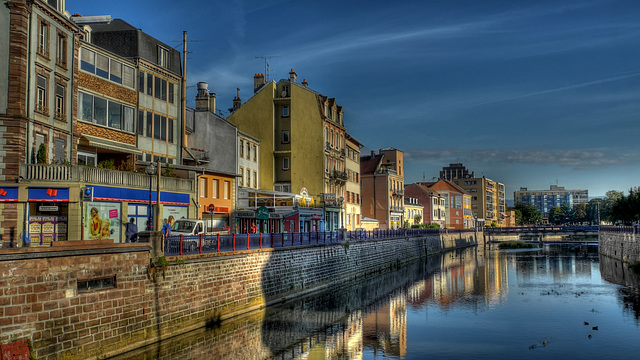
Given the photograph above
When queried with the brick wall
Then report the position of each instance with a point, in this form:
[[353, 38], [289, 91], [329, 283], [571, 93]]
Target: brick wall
[[40, 300]]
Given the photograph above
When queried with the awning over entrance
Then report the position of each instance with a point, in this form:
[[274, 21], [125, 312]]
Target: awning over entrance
[[111, 145]]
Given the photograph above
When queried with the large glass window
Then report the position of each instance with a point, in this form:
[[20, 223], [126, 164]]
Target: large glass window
[[102, 66], [100, 110], [106, 113], [171, 92], [140, 122], [170, 131], [141, 82], [149, 124], [156, 126], [116, 72]]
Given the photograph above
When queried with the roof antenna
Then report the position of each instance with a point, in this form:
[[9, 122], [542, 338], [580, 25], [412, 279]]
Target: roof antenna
[[266, 65]]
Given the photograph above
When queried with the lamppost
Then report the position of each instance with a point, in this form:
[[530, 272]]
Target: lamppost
[[151, 171]]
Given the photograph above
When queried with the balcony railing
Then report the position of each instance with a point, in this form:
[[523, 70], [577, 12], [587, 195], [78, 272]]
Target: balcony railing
[[90, 175], [398, 192]]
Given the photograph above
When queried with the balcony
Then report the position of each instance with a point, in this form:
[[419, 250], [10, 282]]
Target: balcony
[[397, 209], [398, 192], [339, 176], [96, 176]]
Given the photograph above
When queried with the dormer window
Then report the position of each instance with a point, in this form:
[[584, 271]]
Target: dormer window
[[163, 57]]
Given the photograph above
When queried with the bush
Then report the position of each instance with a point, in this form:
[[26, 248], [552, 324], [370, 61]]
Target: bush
[[515, 245], [41, 157]]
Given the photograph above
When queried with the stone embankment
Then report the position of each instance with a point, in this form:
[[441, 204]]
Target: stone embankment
[[620, 242], [98, 301]]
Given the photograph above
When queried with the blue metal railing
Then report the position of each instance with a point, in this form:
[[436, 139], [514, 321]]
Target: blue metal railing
[[199, 244], [635, 229], [543, 229]]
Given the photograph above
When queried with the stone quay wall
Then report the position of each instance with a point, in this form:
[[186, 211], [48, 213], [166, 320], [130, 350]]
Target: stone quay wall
[[97, 301], [622, 245]]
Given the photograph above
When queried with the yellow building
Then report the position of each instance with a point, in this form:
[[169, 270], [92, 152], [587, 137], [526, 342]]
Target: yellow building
[[303, 148]]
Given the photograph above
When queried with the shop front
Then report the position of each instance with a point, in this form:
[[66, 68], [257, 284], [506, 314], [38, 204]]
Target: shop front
[[48, 209], [217, 219], [262, 220], [102, 218], [304, 220]]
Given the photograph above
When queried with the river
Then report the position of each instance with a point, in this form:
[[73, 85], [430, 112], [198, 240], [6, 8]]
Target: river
[[555, 302]]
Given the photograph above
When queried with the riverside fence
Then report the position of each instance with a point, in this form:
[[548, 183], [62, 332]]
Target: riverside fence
[[200, 244]]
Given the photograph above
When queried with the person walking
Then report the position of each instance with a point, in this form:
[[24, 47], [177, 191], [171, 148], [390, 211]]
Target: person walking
[[131, 231]]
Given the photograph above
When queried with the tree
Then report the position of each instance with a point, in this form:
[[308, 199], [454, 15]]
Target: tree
[[606, 205], [626, 209], [41, 157], [417, 219], [579, 214], [559, 214], [530, 215]]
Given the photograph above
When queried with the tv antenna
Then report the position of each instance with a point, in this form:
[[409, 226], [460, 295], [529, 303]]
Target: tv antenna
[[266, 65]]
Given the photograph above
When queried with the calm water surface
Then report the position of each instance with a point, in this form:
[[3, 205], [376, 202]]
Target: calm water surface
[[555, 302]]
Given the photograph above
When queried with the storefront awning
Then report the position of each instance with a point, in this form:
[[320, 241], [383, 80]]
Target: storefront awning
[[111, 145]]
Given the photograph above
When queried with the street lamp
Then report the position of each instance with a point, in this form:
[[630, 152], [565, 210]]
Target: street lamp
[[151, 171]]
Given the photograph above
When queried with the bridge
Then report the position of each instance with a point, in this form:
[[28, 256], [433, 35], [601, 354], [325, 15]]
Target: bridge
[[494, 235], [544, 230]]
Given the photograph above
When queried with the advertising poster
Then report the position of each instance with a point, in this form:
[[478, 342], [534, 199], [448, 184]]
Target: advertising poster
[[42, 230], [102, 221], [171, 213]]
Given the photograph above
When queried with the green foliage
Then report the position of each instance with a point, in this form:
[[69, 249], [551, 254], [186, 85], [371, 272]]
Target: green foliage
[[417, 219], [406, 224], [125, 166], [529, 214], [106, 164], [559, 214], [626, 209], [41, 157], [169, 172], [515, 245]]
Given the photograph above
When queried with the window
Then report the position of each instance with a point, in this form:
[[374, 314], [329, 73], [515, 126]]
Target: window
[[87, 158], [248, 151], [285, 163], [104, 112], [203, 187], [149, 84], [59, 155], [285, 137], [88, 61], [241, 177], [156, 126], [158, 87], [285, 110], [214, 189], [241, 148], [115, 73], [43, 39], [226, 189], [42, 94], [163, 128], [140, 122], [248, 177], [141, 82], [163, 57], [255, 179], [102, 66], [61, 53], [171, 92], [170, 131], [255, 153], [60, 92], [149, 124], [128, 76]]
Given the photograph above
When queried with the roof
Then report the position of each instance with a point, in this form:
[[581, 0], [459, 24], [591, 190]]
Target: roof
[[425, 188], [369, 164]]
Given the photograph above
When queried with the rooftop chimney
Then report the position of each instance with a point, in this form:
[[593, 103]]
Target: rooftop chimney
[[293, 77], [205, 101], [305, 83], [258, 82], [236, 101]]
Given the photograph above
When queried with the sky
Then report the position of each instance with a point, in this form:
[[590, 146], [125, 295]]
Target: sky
[[527, 93]]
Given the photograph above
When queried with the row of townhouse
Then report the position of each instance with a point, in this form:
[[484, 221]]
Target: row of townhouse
[[96, 132]]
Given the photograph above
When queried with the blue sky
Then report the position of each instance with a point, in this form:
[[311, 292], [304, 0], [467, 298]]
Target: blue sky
[[528, 93]]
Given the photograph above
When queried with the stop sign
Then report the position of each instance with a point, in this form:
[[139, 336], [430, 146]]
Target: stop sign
[[211, 208]]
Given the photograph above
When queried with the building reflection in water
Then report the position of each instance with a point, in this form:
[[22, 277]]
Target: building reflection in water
[[371, 316]]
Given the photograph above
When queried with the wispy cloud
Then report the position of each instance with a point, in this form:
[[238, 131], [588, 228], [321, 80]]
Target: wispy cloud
[[576, 159]]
